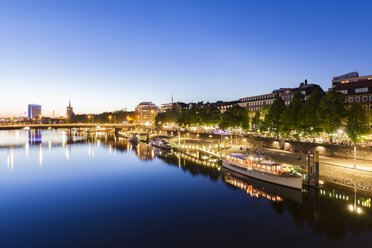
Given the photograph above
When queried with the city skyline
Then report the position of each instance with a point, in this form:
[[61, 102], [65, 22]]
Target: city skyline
[[106, 56]]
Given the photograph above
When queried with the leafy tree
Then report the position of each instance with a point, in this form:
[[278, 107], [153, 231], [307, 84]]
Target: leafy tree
[[256, 121], [273, 119], [118, 116], [160, 119], [182, 119], [331, 112], [356, 122], [214, 116], [235, 117], [309, 121], [291, 116]]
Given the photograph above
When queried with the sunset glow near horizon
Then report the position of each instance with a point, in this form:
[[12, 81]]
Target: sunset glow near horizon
[[110, 55]]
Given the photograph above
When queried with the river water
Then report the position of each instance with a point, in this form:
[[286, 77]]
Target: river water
[[61, 188]]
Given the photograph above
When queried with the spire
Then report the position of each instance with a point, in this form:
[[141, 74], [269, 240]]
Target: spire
[[172, 97], [69, 103]]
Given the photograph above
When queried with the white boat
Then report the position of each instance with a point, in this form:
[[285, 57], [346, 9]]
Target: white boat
[[133, 138], [257, 167], [161, 143]]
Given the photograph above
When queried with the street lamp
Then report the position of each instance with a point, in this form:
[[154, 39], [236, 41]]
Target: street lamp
[[110, 118]]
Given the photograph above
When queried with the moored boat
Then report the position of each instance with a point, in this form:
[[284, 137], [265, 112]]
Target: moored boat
[[161, 143], [133, 138], [257, 167]]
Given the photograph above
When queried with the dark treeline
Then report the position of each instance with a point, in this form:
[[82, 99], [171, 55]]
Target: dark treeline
[[233, 118], [319, 115], [119, 116]]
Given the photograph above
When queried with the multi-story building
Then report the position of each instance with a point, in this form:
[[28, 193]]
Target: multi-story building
[[305, 89], [223, 106], [356, 89], [255, 103], [146, 112], [180, 105], [346, 78], [34, 111]]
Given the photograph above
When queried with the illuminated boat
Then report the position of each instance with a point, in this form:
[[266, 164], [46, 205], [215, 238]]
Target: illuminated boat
[[161, 143], [257, 167], [133, 138]]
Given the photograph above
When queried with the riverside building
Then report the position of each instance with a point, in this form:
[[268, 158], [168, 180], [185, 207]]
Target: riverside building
[[256, 103], [146, 112], [34, 112], [356, 88]]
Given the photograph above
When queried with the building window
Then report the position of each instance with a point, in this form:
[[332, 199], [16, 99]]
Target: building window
[[370, 107], [357, 99], [361, 90], [343, 91], [364, 98], [370, 98], [351, 99], [303, 92]]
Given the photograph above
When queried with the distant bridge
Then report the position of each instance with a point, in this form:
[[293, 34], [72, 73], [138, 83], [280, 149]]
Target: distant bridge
[[72, 125]]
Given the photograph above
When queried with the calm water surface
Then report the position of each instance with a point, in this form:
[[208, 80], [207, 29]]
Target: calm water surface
[[70, 189]]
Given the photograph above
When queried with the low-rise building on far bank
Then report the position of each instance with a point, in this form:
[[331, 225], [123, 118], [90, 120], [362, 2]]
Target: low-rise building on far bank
[[255, 103]]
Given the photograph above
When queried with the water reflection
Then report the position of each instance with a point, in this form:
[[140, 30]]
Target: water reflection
[[333, 210]]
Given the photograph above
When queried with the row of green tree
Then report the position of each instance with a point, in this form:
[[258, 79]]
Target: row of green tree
[[319, 114], [119, 116], [233, 118]]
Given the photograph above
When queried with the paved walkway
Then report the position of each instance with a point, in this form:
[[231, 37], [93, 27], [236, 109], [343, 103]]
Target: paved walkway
[[343, 162]]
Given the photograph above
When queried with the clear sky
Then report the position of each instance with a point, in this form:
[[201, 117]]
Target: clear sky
[[107, 55]]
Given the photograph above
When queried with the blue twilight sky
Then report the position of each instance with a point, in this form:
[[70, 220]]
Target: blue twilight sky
[[107, 55]]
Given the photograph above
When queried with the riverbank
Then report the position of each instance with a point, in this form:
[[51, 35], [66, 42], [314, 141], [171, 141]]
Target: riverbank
[[329, 169], [332, 169]]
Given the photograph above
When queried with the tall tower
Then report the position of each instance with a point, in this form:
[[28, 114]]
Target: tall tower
[[69, 110]]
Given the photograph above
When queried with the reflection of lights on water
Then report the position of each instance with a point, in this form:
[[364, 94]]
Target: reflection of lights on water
[[64, 139], [352, 207], [67, 153], [110, 149], [27, 147], [40, 155], [356, 209], [10, 159], [98, 143], [50, 145]]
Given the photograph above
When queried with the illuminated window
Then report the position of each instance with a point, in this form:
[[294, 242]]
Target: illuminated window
[[351, 99], [361, 90], [357, 99], [343, 91], [364, 98]]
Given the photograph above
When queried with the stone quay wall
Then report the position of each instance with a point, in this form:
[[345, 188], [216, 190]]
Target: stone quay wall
[[329, 150]]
